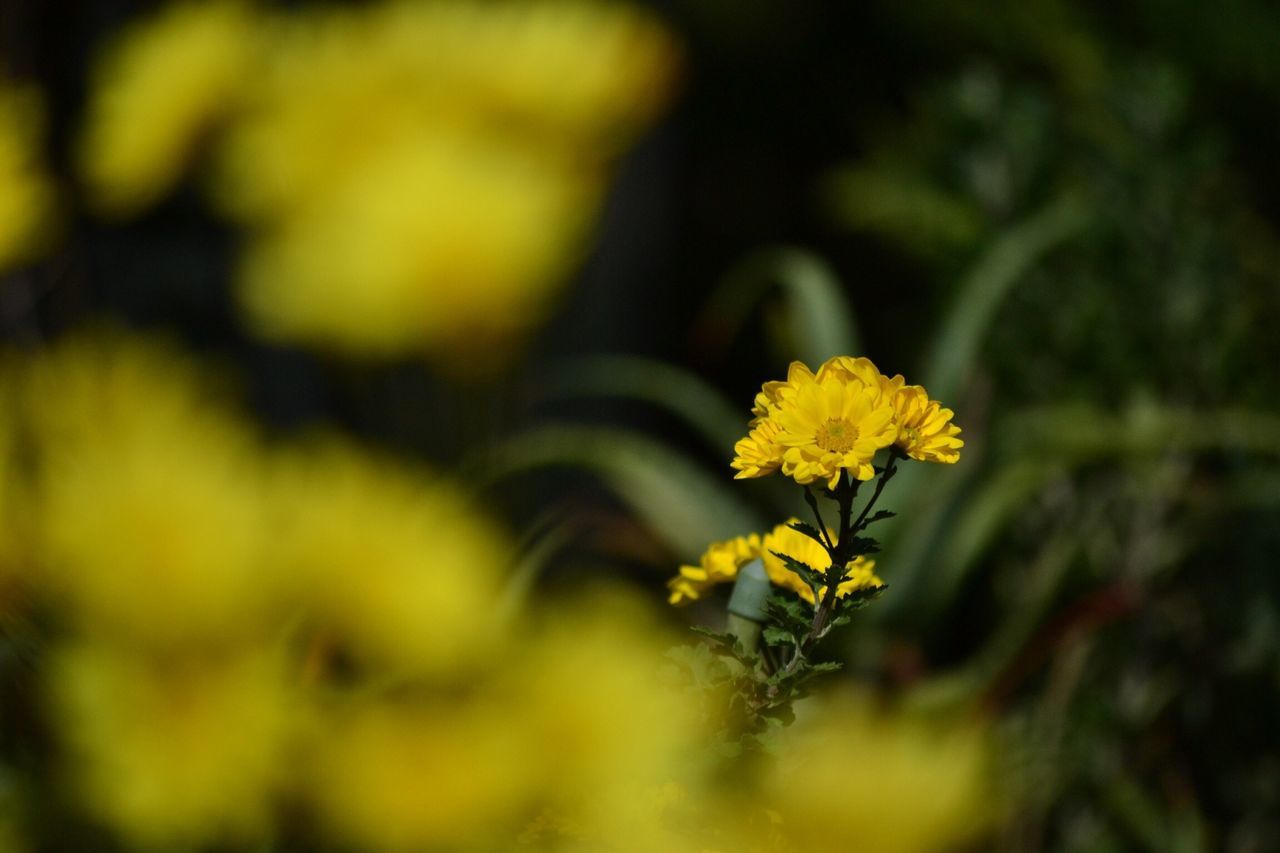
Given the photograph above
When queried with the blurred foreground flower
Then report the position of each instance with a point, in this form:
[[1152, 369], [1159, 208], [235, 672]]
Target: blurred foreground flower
[[414, 177], [26, 196], [856, 778]]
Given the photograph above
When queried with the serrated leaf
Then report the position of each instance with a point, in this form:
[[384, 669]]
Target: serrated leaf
[[813, 578], [879, 515], [810, 531], [858, 598], [776, 636], [861, 545]]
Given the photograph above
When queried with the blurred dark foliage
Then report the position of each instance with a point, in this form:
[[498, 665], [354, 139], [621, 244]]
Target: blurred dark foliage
[[1121, 613]]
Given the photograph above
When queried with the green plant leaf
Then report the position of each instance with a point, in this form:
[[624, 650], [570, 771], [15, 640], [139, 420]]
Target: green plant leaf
[[674, 496], [812, 577], [820, 318], [1004, 264], [684, 394]]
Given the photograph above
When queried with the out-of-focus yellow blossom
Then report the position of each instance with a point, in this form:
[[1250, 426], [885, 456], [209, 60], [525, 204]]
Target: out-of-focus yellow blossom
[[342, 87], [26, 196], [859, 575], [565, 737], [455, 774], [150, 521], [172, 753], [444, 244], [156, 92], [400, 567], [416, 177], [606, 750], [925, 430], [719, 564], [850, 777]]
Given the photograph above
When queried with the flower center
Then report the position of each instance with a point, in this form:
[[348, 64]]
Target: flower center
[[836, 435]]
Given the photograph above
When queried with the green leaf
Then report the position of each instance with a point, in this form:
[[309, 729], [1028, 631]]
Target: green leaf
[[680, 502], [813, 578], [776, 636], [881, 515], [808, 530], [861, 545], [820, 318], [684, 394], [1003, 265]]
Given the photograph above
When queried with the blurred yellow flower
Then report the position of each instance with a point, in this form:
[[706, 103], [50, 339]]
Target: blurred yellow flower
[[719, 564], [859, 574], [174, 753], [416, 177], [610, 733], [925, 431], [399, 566], [148, 503], [155, 94], [455, 774], [850, 777], [26, 196], [443, 244]]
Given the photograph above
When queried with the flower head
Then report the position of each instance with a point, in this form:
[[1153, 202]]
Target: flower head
[[718, 565], [925, 431], [784, 539], [813, 426], [830, 425]]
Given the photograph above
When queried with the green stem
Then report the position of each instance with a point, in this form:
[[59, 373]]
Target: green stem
[[822, 527]]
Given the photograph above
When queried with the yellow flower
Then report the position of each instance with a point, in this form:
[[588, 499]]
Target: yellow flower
[[921, 786], [815, 426], [759, 453], [925, 431], [26, 197], [718, 565], [443, 244], [400, 776], [174, 754], [421, 177], [832, 425], [155, 93], [859, 575], [148, 505], [397, 566]]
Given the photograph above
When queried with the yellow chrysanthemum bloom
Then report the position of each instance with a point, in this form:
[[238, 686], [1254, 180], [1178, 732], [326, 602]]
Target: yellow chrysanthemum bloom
[[759, 453], [603, 750], [156, 92], [148, 513], [394, 776], [394, 565], [718, 565], [444, 244], [832, 425], [26, 196], [925, 430], [815, 426], [859, 575], [178, 753], [923, 785]]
